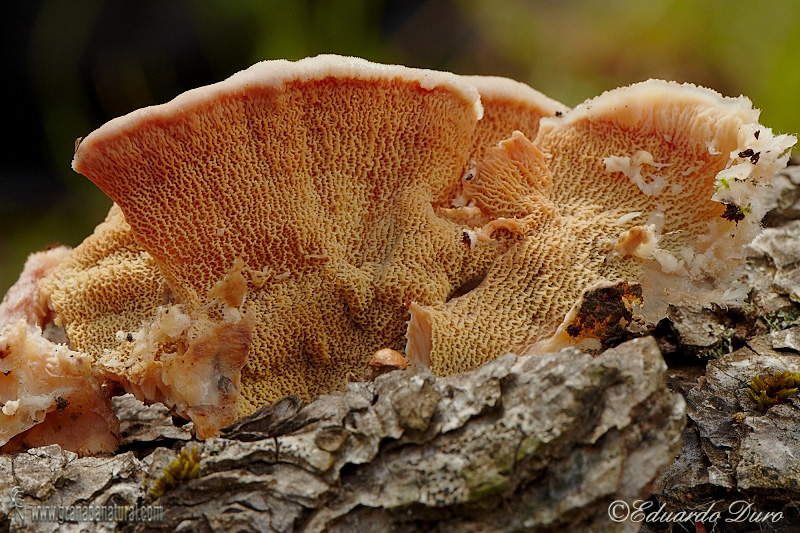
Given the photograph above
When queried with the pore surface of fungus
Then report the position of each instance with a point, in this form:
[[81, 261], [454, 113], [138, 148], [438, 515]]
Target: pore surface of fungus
[[628, 188], [275, 227], [273, 231]]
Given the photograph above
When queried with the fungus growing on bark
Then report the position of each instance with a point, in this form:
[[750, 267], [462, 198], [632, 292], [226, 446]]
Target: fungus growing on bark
[[628, 188], [301, 187], [48, 393], [272, 232], [310, 183]]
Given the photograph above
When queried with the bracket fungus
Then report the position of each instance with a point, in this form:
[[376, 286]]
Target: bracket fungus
[[630, 187], [271, 232]]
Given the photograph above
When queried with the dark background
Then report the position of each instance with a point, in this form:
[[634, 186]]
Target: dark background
[[69, 66]]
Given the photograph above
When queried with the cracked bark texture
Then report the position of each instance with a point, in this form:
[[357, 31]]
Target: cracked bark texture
[[538, 443], [731, 450]]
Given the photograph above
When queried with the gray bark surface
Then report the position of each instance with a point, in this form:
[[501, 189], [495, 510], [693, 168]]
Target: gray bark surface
[[534, 443]]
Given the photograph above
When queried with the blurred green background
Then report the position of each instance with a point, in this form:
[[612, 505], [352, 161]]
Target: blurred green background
[[72, 65]]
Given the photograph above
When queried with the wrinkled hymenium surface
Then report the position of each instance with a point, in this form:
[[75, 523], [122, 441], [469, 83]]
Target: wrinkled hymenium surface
[[274, 230]]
